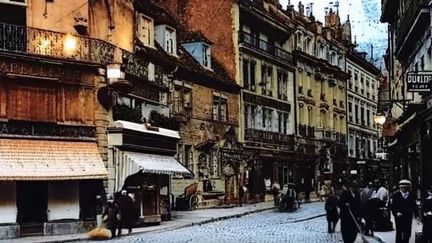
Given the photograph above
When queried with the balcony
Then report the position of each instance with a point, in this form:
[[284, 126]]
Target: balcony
[[38, 42], [306, 131], [411, 26], [265, 47], [268, 137]]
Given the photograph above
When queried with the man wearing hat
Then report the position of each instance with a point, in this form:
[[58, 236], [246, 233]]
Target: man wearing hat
[[403, 207], [427, 217]]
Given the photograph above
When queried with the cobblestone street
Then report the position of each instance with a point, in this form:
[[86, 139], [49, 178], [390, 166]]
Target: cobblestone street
[[304, 225]]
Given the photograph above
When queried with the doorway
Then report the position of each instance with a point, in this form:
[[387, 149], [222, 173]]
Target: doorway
[[32, 207]]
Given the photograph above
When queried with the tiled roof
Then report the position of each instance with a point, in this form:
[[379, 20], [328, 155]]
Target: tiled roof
[[50, 160], [187, 67]]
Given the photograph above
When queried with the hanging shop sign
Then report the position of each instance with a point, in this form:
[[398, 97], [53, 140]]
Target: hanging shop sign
[[419, 81]]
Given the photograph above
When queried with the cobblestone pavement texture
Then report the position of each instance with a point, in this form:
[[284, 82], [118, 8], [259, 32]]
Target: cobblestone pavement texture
[[305, 225]]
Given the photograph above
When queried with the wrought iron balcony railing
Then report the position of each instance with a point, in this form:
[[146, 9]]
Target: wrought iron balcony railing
[[26, 40], [266, 47], [268, 137]]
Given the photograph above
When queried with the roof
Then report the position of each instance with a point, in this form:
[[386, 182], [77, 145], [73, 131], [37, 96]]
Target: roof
[[144, 129], [187, 67], [49, 160], [157, 164], [193, 36]]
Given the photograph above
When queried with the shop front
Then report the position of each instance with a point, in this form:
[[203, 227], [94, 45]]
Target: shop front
[[48, 187], [143, 163]]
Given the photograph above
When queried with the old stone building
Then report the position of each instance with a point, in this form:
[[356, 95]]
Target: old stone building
[[362, 108], [408, 61], [251, 42], [320, 52], [50, 168]]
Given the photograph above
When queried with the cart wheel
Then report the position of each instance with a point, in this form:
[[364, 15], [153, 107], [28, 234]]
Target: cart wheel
[[193, 202]]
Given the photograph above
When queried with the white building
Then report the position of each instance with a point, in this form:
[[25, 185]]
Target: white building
[[362, 107]]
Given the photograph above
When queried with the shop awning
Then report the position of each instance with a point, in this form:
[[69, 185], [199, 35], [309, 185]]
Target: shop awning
[[158, 164], [47, 160]]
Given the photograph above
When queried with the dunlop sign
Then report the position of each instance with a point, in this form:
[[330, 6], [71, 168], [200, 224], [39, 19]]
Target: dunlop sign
[[419, 81]]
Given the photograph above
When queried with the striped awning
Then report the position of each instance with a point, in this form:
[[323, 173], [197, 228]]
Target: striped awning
[[48, 160], [158, 164]]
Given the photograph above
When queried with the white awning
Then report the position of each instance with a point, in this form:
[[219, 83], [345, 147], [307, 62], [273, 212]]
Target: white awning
[[49, 160], [157, 164]]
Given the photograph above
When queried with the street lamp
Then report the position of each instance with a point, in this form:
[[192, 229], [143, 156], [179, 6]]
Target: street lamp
[[380, 119], [70, 44]]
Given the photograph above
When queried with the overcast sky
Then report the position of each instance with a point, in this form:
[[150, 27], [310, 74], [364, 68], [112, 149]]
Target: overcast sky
[[364, 17]]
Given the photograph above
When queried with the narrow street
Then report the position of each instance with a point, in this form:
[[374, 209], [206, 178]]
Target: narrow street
[[305, 225]]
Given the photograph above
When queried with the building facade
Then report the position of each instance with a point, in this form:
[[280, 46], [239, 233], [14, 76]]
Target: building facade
[[409, 56], [51, 168], [362, 107], [321, 99]]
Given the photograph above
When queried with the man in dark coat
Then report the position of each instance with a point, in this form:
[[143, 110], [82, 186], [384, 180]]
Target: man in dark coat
[[111, 217], [332, 212], [126, 212], [349, 204], [427, 217], [403, 207]]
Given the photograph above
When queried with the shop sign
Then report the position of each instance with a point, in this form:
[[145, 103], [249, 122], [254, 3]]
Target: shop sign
[[419, 81]]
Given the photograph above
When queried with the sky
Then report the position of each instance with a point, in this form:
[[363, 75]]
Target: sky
[[364, 17]]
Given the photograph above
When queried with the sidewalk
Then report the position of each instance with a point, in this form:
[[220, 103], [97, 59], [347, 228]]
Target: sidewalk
[[180, 219], [390, 236]]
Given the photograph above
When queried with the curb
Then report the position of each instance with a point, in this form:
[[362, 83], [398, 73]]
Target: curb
[[174, 227], [169, 228]]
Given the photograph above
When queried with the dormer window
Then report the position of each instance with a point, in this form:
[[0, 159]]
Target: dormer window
[[166, 37], [201, 51], [145, 30], [206, 56], [169, 40]]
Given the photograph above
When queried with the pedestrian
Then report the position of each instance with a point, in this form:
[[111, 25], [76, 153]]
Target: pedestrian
[[111, 217], [126, 212], [403, 207], [367, 208], [349, 204], [332, 213], [427, 217]]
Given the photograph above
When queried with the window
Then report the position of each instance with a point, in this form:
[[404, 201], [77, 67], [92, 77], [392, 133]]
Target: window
[[170, 41], [282, 78], [310, 116], [267, 118], [250, 113], [323, 119], [220, 108], [356, 113], [362, 116], [249, 74], [145, 31], [266, 79], [12, 13], [368, 121], [206, 56], [282, 122], [181, 99]]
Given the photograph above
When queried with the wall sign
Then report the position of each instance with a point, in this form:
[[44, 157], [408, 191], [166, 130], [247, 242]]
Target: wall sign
[[419, 81]]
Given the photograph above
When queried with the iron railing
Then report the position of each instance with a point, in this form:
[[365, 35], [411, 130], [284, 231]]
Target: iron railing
[[26, 40], [265, 46], [268, 137]]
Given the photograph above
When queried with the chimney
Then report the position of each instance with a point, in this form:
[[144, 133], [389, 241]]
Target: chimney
[[301, 8], [372, 53]]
